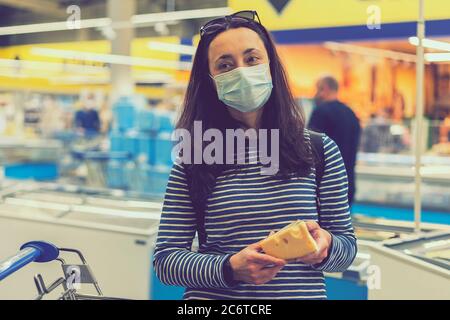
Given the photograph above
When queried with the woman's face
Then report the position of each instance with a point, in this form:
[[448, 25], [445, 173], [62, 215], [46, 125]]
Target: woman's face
[[235, 48]]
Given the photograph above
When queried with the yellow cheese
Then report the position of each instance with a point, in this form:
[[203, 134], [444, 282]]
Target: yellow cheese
[[291, 242]]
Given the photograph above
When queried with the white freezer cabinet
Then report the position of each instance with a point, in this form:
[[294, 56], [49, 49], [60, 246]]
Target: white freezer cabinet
[[115, 233]]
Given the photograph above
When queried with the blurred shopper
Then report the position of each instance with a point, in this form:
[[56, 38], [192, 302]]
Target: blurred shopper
[[369, 141], [445, 129], [238, 82], [338, 122], [51, 118], [87, 120], [376, 134], [2, 117], [106, 118]]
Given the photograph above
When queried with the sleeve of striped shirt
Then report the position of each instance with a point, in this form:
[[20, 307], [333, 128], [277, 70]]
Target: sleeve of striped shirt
[[334, 211], [173, 260]]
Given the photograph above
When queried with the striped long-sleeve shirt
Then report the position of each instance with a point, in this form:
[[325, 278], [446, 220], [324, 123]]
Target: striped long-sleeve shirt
[[243, 207]]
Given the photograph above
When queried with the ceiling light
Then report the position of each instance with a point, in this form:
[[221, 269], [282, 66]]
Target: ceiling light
[[172, 47], [111, 58], [79, 80], [53, 26], [437, 57], [50, 66], [180, 15], [373, 52], [431, 44], [153, 77], [139, 20]]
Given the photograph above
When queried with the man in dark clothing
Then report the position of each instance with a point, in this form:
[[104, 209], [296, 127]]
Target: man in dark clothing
[[337, 121], [87, 119]]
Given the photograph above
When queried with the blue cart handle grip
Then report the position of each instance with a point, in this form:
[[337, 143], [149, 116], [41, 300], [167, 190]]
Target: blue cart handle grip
[[34, 251]]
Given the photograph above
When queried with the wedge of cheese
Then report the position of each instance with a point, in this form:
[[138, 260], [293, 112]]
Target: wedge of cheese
[[292, 242]]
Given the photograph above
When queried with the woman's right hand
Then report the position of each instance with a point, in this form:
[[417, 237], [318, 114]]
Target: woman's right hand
[[251, 266]]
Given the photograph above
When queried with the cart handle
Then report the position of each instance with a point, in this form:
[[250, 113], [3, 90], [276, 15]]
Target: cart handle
[[34, 251]]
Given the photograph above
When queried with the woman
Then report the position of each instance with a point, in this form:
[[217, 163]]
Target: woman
[[237, 81]]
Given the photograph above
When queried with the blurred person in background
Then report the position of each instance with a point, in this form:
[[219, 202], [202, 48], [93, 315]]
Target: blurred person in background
[[87, 120], [338, 122], [51, 118], [376, 134], [8, 118], [369, 141], [2, 118], [106, 118], [445, 129]]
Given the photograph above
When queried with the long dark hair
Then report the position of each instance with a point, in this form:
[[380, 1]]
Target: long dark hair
[[201, 103]]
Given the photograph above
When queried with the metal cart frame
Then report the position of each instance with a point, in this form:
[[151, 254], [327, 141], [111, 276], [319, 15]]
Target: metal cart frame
[[73, 274]]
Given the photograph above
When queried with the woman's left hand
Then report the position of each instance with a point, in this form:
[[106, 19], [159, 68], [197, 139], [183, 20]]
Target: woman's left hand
[[323, 240]]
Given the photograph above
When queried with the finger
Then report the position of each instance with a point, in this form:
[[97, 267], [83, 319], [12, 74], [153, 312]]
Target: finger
[[255, 246], [316, 234], [316, 254], [314, 258], [265, 259], [268, 273], [312, 225], [308, 258], [312, 261], [320, 239]]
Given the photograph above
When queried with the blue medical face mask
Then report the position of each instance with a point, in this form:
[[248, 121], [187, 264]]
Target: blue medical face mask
[[245, 89]]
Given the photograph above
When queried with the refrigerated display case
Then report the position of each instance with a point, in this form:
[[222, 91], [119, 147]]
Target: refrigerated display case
[[115, 230], [388, 180], [416, 267], [391, 250]]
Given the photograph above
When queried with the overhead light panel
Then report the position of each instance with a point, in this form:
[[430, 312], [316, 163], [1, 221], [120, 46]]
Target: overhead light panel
[[372, 52], [437, 57], [53, 26], [172, 47], [431, 44], [80, 80], [139, 20], [50, 66], [111, 58], [179, 15]]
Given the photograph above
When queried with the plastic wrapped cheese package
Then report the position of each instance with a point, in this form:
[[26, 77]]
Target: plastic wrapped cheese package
[[292, 242]]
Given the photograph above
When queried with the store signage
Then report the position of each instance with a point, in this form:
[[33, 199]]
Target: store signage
[[279, 5], [308, 14]]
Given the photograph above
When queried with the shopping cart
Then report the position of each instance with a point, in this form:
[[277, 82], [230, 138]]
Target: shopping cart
[[96, 164], [73, 274]]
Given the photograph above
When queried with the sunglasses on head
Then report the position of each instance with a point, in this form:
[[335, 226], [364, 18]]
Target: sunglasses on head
[[218, 24]]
